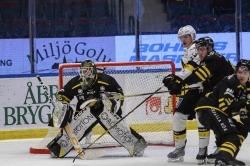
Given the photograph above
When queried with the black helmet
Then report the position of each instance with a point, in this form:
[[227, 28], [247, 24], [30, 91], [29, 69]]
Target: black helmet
[[87, 72], [205, 41], [243, 64]]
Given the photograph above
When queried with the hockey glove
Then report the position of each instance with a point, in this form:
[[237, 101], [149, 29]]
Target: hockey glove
[[177, 85], [67, 118], [95, 105], [168, 81], [59, 112], [113, 102], [245, 115]]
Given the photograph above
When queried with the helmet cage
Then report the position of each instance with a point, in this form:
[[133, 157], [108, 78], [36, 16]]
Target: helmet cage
[[87, 69], [86, 72]]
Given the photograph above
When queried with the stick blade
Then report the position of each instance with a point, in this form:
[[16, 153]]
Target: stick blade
[[92, 154]]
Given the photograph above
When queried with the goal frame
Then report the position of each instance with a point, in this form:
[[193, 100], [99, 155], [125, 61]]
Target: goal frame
[[110, 64]]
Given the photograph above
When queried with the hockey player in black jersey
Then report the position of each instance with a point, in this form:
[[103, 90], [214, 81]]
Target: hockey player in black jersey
[[215, 110], [92, 91], [213, 68]]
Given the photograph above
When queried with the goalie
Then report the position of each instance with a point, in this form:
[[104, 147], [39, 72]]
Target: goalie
[[99, 99]]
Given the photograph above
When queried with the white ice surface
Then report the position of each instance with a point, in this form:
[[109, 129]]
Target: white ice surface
[[16, 153]]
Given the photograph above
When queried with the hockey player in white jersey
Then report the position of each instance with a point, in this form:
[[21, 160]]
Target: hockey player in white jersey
[[186, 99]]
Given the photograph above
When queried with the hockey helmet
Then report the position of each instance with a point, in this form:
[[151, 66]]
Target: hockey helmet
[[243, 64], [187, 30], [87, 72], [205, 41]]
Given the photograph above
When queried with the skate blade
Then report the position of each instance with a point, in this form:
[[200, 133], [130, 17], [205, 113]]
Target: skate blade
[[176, 160], [210, 161], [201, 162], [89, 155]]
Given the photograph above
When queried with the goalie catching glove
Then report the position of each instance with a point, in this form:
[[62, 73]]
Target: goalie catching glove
[[113, 99], [95, 104], [114, 102]]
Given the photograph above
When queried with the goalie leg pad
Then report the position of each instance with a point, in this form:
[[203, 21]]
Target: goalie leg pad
[[81, 124], [122, 133], [139, 148], [67, 118]]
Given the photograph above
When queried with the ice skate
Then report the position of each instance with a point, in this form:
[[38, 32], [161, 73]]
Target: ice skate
[[202, 156], [177, 154], [139, 147], [211, 157], [220, 161]]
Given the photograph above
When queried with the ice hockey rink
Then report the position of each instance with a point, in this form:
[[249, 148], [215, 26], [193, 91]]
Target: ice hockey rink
[[16, 153]]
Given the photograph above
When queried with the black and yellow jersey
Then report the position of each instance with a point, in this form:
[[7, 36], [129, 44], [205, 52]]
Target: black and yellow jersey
[[228, 96], [102, 83], [212, 69]]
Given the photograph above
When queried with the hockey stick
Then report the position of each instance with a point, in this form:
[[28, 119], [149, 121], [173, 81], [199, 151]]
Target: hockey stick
[[55, 119], [118, 122], [70, 132], [144, 94], [45, 90]]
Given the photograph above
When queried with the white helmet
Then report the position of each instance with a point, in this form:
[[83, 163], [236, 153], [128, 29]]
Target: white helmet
[[187, 30]]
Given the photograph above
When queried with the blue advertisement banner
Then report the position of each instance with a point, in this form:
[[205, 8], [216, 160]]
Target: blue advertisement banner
[[168, 47], [50, 52]]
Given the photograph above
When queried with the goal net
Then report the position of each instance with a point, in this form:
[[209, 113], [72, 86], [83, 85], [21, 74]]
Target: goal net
[[152, 119]]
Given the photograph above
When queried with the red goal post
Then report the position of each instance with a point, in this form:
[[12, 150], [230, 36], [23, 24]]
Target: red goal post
[[153, 119]]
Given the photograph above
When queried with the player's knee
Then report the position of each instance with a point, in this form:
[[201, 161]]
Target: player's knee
[[202, 118], [179, 121]]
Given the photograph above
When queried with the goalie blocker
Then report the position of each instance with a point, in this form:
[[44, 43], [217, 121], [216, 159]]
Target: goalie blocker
[[87, 118]]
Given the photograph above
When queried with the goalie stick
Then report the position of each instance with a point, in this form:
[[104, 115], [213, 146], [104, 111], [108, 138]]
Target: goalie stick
[[70, 132], [55, 119]]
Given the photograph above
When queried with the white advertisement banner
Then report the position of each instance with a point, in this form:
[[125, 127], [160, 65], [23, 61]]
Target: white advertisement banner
[[24, 104]]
